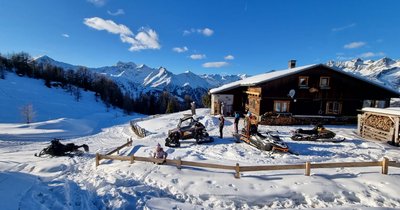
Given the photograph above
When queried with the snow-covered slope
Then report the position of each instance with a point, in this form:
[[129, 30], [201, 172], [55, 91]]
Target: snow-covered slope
[[138, 79], [56, 112], [385, 70], [29, 182]]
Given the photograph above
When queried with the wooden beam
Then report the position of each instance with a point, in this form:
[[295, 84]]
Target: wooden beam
[[396, 130], [97, 159], [237, 170], [385, 165], [308, 168], [252, 93], [270, 167]]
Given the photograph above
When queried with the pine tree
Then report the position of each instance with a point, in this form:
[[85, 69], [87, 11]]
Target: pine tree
[[206, 100], [172, 106]]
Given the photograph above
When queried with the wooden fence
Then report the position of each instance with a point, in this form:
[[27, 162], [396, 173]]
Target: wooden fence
[[384, 164], [141, 132]]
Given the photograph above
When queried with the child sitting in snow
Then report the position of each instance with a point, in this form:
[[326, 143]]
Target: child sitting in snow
[[160, 153]]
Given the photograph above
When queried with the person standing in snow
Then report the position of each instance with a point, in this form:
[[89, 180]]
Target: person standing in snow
[[160, 153], [221, 125], [222, 108], [193, 108], [236, 122]]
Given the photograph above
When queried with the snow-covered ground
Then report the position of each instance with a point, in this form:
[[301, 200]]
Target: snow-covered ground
[[28, 182]]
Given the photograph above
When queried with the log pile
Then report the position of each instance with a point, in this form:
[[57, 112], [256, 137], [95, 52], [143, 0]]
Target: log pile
[[379, 122]]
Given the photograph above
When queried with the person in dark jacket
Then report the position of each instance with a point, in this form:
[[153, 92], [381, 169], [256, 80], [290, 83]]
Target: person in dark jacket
[[236, 122], [221, 125]]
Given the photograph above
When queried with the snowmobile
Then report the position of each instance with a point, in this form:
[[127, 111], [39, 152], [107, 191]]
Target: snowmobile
[[188, 128], [318, 133], [56, 148], [267, 142]]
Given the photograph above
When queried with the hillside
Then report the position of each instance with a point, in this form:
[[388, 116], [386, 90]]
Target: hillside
[[65, 116]]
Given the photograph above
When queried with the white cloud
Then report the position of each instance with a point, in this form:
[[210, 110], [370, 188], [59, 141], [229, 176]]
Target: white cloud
[[180, 49], [107, 25], [116, 13], [215, 64], [354, 45], [207, 32], [371, 54], [98, 3], [65, 35], [145, 39], [197, 56], [343, 27], [229, 57], [204, 31]]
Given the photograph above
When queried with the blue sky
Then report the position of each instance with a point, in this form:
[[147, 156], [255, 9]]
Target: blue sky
[[209, 36]]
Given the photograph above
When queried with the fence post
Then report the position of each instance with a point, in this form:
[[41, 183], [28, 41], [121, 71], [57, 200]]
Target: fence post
[[385, 165], [179, 165], [308, 168], [237, 169], [132, 159], [97, 159]]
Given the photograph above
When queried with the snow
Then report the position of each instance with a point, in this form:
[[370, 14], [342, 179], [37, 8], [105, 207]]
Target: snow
[[28, 182], [261, 78], [391, 110], [254, 80]]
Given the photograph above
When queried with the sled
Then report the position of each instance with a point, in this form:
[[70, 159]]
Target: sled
[[319, 134], [264, 142], [56, 148]]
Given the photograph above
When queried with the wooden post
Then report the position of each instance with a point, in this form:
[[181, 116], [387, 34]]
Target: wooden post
[[179, 165], [308, 168], [396, 130], [237, 169], [132, 159], [385, 165], [97, 159]]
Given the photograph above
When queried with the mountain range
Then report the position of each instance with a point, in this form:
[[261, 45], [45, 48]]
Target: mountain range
[[142, 79], [385, 70]]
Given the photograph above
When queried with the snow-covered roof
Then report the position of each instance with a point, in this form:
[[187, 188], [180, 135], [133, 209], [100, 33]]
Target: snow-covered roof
[[389, 111], [261, 78]]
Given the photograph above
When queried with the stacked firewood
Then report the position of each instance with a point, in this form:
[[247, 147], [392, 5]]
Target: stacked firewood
[[379, 122]]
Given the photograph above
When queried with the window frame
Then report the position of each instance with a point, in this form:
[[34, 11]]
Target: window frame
[[333, 111], [280, 103], [306, 78], [327, 86]]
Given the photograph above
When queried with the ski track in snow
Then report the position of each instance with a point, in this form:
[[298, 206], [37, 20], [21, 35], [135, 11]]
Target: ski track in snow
[[75, 183]]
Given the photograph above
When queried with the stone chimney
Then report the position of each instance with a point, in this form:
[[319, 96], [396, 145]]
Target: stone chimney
[[292, 64]]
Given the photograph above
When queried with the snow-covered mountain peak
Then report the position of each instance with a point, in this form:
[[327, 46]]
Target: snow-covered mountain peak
[[385, 62], [384, 70], [126, 65], [46, 60]]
